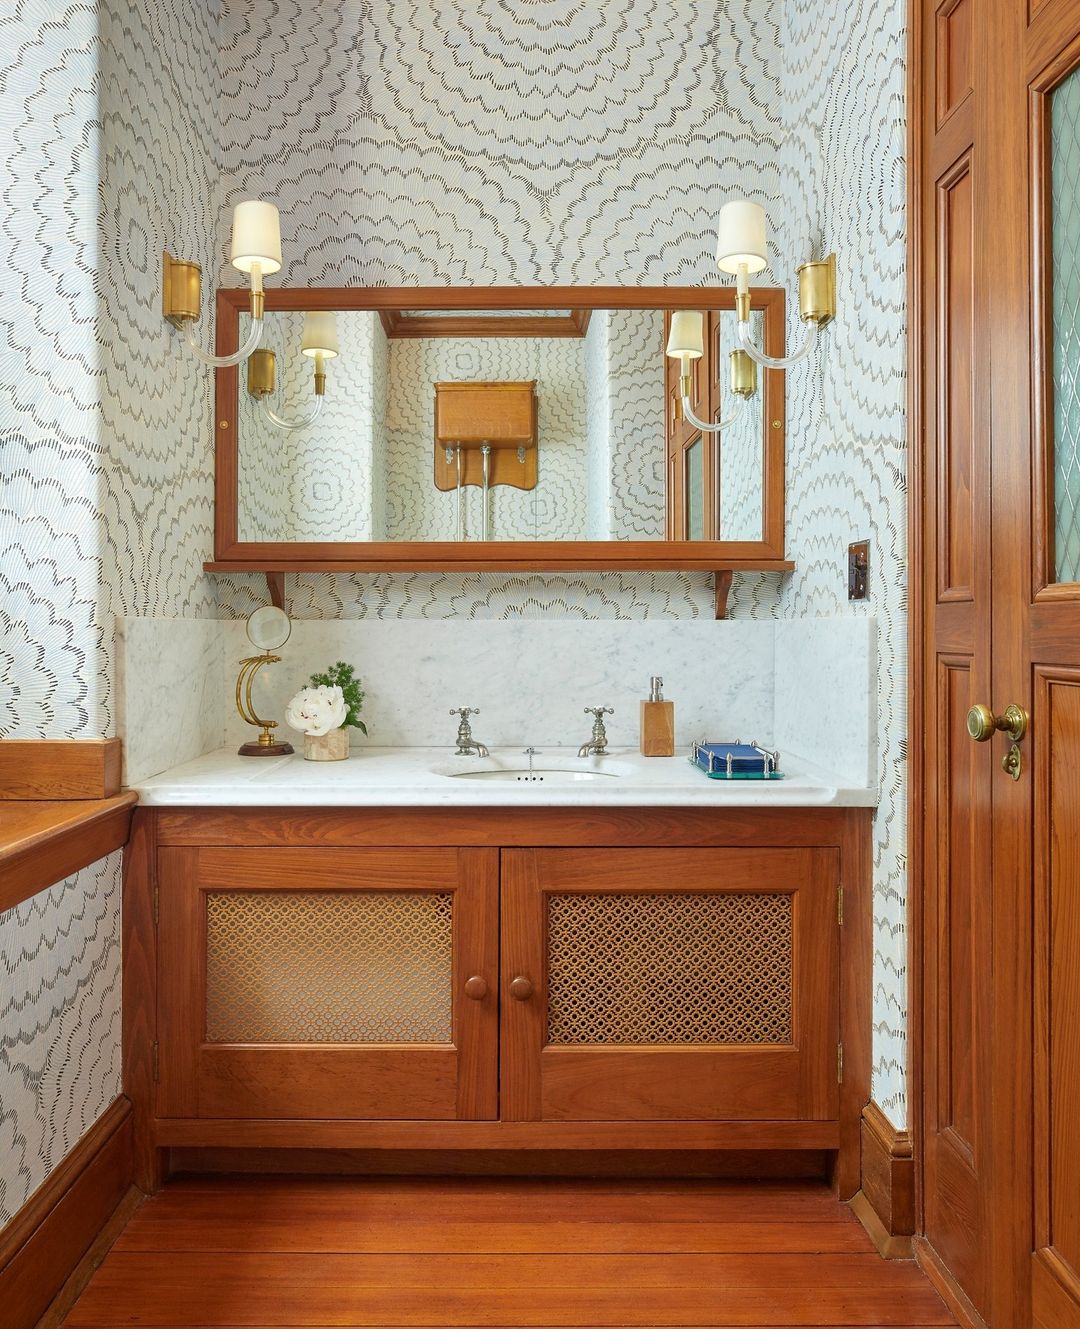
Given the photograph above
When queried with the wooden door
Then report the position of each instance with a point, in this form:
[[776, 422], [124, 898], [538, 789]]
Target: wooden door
[[1035, 404], [999, 210], [328, 982], [656, 984], [956, 592], [691, 510]]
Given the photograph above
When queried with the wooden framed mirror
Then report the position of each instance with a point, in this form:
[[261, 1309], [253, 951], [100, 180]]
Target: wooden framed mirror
[[611, 475]]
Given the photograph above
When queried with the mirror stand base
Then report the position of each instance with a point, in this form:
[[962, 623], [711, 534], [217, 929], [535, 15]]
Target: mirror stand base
[[721, 588]]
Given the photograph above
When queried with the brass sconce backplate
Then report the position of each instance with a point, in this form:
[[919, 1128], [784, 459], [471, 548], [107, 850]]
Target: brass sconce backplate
[[743, 374], [817, 291], [261, 372], [181, 289]]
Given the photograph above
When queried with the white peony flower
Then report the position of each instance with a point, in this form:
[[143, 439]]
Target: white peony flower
[[316, 711]]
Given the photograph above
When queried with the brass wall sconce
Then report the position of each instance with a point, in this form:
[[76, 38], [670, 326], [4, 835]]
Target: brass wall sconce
[[742, 248], [267, 629], [320, 344], [686, 342], [256, 250]]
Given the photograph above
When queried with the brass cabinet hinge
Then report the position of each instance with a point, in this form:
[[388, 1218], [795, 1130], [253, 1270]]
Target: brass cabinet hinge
[[840, 905], [839, 1063], [154, 1061]]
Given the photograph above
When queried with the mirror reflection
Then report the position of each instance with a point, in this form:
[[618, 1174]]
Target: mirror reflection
[[509, 425]]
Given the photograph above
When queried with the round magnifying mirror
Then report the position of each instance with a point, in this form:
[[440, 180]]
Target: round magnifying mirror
[[269, 627]]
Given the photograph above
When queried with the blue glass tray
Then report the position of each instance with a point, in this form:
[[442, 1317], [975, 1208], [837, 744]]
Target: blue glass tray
[[736, 761]]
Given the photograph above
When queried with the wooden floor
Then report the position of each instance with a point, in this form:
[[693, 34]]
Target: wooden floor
[[318, 1252]]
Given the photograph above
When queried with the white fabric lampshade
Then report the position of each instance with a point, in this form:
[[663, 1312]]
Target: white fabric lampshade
[[320, 333], [687, 334], [740, 237], [256, 237]]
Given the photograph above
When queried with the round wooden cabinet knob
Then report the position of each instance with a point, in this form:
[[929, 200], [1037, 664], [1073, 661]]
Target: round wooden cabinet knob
[[521, 988], [476, 988]]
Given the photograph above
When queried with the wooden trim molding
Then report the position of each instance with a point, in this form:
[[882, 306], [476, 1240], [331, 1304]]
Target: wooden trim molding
[[946, 1286], [398, 323], [42, 843], [58, 768], [46, 1240], [886, 1203]]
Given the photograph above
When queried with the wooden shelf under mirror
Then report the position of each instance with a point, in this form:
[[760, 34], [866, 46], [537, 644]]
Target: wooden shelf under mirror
[[605, 466]]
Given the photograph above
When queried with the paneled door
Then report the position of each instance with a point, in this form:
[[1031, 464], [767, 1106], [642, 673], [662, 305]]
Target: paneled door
[[672, 984], [328, 982], [999, 176]]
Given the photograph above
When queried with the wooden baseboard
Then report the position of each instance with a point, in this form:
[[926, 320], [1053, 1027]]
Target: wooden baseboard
[[44, 1243], [885, 1205], [947, 1288]]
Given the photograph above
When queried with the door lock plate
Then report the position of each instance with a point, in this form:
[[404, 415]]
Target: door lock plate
[[1013, 761]]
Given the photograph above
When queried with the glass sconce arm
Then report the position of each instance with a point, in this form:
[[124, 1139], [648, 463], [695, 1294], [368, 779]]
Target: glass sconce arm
[[704, 426], [781, 361], [224, 361], [302, 423]]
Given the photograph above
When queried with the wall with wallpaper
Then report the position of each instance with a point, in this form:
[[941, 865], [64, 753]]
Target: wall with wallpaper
[[406, 143], [105, 478], [540, 144]]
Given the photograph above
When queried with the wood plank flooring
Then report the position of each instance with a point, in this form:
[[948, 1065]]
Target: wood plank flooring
[[265, 1253]]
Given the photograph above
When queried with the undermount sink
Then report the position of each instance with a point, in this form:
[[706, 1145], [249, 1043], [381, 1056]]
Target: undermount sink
[[537, 776]]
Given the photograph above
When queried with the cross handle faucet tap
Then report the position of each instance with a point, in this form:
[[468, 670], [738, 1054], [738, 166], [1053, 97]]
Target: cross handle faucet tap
[[466, 744], [598, 742]]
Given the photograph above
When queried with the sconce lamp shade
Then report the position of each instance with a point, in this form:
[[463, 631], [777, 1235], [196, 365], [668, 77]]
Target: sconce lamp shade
[[256, 237], [320, 333], [686, 336], [740, 237]]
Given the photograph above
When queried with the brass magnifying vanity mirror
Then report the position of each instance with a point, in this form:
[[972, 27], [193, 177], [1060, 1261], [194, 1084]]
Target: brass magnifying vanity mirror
[[499, 429]]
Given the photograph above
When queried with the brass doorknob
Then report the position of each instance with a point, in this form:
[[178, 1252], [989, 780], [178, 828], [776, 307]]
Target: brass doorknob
[[476, 988], [521, 989], [982, 723]]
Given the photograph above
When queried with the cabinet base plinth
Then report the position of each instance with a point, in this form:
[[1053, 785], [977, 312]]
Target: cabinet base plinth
[[188, 1132]]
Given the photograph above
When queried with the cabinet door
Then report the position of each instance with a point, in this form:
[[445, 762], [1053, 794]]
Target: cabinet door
[[328, 982], [668, 983]]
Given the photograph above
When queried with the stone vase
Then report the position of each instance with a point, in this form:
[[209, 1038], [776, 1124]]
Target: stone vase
[[333, 746]]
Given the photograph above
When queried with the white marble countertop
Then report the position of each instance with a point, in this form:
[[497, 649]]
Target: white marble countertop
[[431, 777]]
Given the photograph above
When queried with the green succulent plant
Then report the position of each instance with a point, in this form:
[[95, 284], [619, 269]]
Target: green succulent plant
[[343, 676]]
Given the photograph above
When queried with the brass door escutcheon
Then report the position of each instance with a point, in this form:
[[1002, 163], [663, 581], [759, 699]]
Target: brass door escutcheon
[[982, 723], [1013, 762]]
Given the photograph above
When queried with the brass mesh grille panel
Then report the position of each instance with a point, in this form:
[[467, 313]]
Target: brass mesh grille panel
[[328, 967], [660, 968]]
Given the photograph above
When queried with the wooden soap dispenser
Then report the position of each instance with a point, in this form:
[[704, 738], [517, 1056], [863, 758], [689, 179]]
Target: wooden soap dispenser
[[657, 722]]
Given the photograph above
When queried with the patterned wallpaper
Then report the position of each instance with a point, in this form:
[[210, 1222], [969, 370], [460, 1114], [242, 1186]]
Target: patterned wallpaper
[[106, 493], [545, 143], [406, 143]]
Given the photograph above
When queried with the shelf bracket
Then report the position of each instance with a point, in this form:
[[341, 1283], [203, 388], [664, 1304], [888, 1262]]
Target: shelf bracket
[[721, 588], [275, 585]]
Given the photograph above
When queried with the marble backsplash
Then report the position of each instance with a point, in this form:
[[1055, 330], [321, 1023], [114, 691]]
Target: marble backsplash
[[804, 686]]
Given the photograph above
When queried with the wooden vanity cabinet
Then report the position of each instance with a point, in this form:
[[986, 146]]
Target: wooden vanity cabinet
[[634, 979]]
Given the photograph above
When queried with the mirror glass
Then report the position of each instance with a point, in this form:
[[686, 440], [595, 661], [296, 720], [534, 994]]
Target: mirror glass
[[577, 410]]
